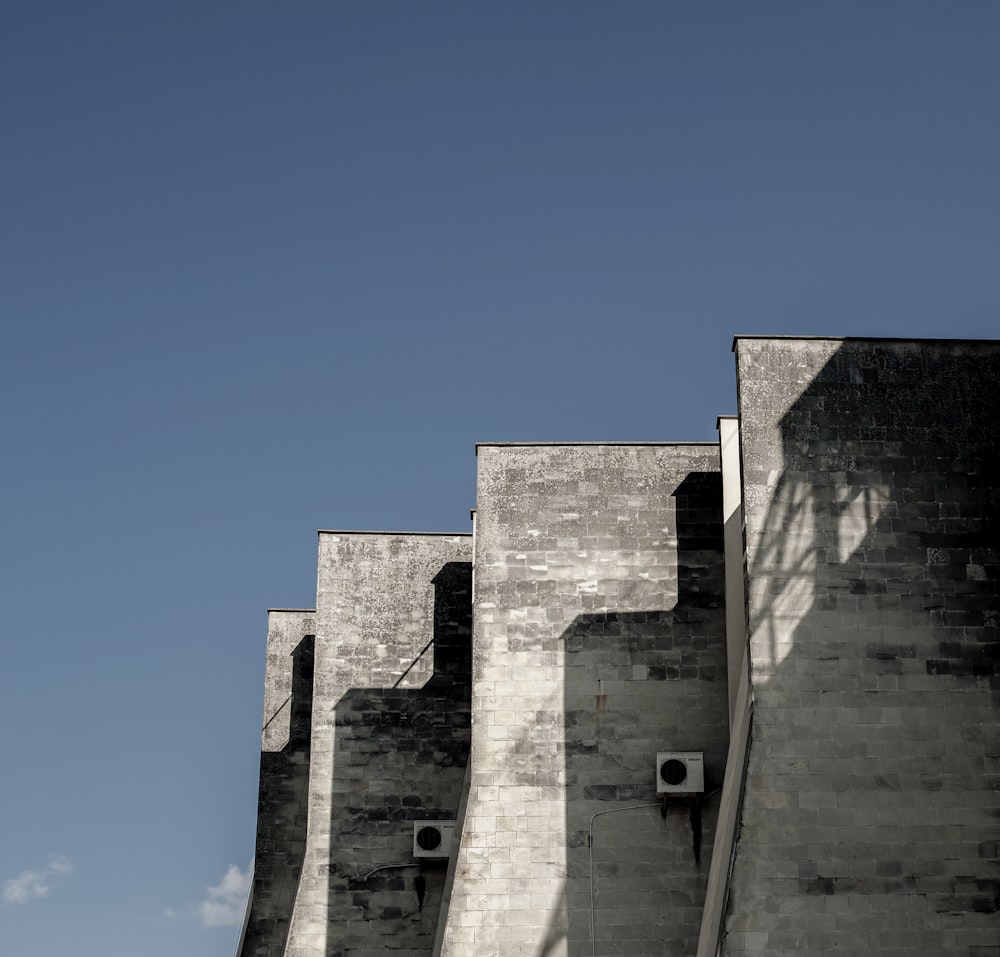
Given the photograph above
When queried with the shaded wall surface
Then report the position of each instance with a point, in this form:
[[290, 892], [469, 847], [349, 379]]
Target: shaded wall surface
[[599, 641], [390, 737], [282, 805], [871, 475]]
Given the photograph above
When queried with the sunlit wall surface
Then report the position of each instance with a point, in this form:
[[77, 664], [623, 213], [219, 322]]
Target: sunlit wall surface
[[599, 640]]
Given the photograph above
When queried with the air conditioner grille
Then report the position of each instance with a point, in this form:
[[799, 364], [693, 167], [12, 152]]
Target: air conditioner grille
[[673, 772], [428, 838]]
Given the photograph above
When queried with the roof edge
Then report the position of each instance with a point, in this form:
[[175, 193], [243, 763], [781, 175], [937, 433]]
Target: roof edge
[[531, 445], [354, 531], [931, 340]]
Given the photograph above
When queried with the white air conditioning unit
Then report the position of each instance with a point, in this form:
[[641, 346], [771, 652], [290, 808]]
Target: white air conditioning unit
[[433, 838], [680, 772]]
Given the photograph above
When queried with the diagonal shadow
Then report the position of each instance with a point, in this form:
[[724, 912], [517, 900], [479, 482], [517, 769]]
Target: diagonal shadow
[[282, 817], [400, 754], [872, 523]]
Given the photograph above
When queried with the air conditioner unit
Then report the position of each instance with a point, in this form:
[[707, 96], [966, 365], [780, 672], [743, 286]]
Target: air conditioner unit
[[433, 838], [680, 772]]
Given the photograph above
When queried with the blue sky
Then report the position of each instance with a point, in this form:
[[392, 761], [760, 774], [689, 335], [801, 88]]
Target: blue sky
[[269, 268]]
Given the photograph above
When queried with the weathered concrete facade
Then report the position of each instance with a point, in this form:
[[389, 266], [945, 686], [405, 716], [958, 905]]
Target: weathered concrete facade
[[283, 803], [599, 641], [812, 603], [871, 475], [388, 745]]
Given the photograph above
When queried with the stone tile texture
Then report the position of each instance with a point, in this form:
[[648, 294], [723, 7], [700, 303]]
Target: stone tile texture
[[872, 506], [599, 640], [282, 804], [389, 741]]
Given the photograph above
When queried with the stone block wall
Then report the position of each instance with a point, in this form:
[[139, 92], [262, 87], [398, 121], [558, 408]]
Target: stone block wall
[[871, 473], [599, 641], [862, 807], [282, 805], [390, 738]]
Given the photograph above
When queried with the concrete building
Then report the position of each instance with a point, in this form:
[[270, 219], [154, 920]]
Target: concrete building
[[667, 699]]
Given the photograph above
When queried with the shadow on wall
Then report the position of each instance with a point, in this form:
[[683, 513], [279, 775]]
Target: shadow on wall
[[400, 755], [637, 683], [872, 531], [281, 821]]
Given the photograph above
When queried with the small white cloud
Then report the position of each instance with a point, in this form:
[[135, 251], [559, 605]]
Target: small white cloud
[[226, 902], [60, 865], [30, 885], [25, 887]]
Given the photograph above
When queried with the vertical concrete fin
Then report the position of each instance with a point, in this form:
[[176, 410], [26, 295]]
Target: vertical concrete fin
[[740, 697], [724, 851], [732, 516]]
